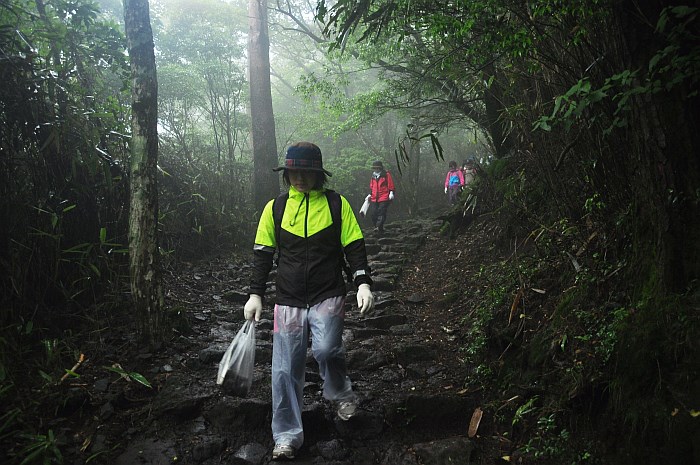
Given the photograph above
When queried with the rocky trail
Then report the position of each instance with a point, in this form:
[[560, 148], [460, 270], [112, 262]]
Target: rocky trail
[[416, 396]]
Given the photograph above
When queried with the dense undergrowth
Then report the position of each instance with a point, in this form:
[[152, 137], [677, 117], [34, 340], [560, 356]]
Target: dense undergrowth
[[598, 360]]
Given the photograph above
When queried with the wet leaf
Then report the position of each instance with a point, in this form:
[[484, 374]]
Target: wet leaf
[[474, 423]]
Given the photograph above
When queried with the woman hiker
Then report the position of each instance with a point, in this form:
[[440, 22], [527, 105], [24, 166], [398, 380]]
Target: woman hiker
[[454, 182]]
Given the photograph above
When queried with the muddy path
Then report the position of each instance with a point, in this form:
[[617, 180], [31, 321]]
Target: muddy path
[[417, 397]]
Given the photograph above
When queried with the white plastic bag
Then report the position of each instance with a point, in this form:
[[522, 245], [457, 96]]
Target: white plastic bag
[[365, 206], [236, 366]]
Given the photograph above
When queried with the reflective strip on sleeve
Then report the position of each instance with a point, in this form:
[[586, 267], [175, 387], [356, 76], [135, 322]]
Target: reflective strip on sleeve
[[264, 248]]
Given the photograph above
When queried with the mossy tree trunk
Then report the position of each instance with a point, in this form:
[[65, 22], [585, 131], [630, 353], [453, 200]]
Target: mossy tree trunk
[[265, 182], [144, 263], [663, 148]]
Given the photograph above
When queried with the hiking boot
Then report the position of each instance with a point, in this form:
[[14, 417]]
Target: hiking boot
[[283, 452], [347, 409]]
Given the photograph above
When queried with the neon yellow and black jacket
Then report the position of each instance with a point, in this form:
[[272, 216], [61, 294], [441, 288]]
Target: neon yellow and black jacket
[[309, 268]]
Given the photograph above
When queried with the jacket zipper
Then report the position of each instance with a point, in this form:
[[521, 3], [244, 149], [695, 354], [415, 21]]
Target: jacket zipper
[[306, 244]]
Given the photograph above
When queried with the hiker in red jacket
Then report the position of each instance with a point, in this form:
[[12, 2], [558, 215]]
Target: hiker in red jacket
[[381, 188]]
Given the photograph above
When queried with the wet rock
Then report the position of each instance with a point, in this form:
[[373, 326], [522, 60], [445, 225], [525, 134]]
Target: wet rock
[[264, 335], [419, 370], [391, 258], [445, 451], [411, 353], [101, 385], [389, 376], [207, 448], [312, 388], [98, 444], [265, 324], [236, 297], [198, 426], [73, 400], [366, 360], [332, 450], [385, 321], [398, 455], [386, 302], [236, 384], [150, 452], [366, 333], [106, 411], [362, 425], [404, 249], [263, 351], [181, 408], [440, 410], [211, 354], [372, 249], [382, 283], [403, 330], [232, 413], [251, 453], [387, 241], [317, 426]]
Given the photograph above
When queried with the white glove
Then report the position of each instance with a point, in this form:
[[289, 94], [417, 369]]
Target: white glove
[[391, 195], [253, 308], [446, 190], [365, 299], [369, 196]]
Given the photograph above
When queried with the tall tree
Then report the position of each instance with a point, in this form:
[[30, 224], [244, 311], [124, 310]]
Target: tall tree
[[146, 286], [266, 183]]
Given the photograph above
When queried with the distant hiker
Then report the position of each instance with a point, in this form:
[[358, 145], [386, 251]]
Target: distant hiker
[[454, 182], [469, 171], [381, 188], [311, 248]]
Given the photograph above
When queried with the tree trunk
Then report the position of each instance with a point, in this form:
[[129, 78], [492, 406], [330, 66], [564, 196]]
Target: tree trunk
[[265, 181], [664, 149], [144, 263]]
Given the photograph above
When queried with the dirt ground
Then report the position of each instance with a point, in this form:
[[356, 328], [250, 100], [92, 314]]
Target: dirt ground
[[101, 416]]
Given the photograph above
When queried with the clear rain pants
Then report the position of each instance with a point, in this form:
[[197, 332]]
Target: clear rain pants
[[289, 344]]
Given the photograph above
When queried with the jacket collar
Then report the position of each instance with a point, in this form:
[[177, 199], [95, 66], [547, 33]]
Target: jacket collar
[[295, 194]]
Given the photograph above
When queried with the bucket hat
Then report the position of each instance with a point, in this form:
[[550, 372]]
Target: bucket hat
[[303, 156], [378, 164]]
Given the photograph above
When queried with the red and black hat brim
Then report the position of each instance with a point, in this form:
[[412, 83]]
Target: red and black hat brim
[[303, 158]]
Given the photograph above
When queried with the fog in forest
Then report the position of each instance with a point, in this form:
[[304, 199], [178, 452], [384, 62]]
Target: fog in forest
[[568, 272]]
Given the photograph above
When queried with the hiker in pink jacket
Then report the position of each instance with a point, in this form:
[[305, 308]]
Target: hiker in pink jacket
[[454, 182]]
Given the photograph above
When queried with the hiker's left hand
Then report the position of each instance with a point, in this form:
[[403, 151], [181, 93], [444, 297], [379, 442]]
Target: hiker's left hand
[[391, 195], [365, 299], [253, 308]]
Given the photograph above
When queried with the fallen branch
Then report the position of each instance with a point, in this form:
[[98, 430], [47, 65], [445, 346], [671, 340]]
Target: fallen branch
[[72, 370]]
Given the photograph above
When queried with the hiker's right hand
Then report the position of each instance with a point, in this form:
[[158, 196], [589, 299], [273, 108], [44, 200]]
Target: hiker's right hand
[[446, 190], [369, 196], [365, 299], [253, 308]]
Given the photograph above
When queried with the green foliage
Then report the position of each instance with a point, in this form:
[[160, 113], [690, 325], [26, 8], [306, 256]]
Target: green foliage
[[41, 449], [675, 65], [130, 375]]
